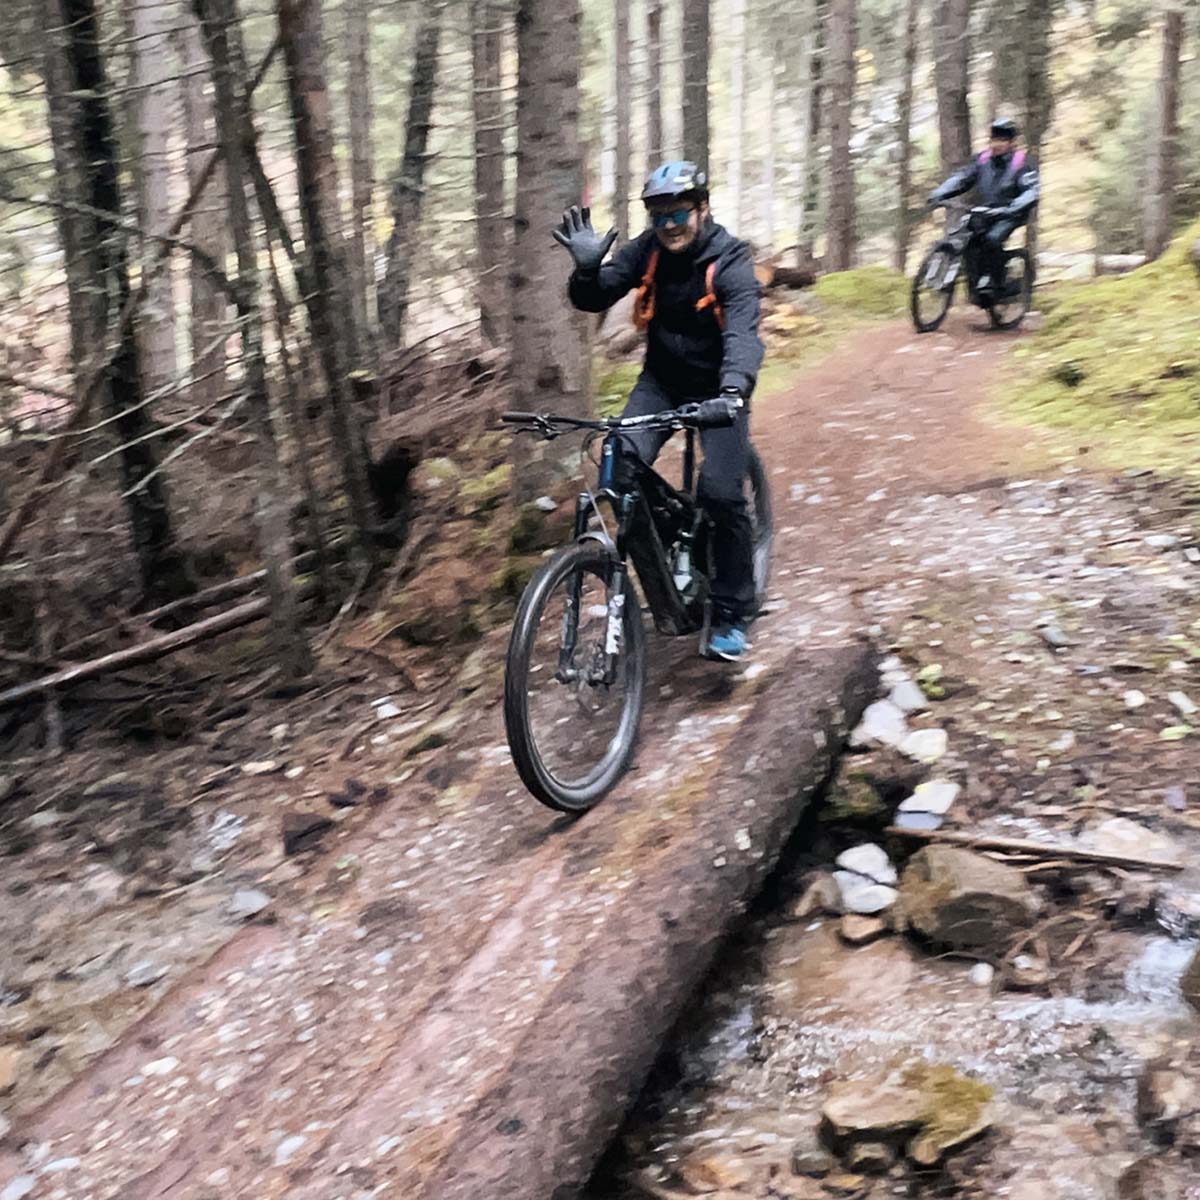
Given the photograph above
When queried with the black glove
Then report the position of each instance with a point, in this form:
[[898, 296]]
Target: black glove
[[722, 412], [587, 247]]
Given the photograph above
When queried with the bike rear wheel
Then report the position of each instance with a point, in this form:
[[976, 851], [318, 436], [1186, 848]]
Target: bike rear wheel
[[571, 733], [1010, 311], [933, 289], [762, 521]]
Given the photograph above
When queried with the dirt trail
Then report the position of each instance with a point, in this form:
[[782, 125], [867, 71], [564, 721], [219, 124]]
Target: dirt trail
[[320, 1056]]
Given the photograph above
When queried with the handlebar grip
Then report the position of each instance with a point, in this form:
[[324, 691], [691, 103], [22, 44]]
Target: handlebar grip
[[518, 418]]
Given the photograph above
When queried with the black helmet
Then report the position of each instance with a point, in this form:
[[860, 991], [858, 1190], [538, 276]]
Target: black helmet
[[674, 180], [1006, 128]]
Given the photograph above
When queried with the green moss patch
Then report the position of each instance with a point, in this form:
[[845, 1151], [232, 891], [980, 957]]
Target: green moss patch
[[1116, 368], [865, 292]]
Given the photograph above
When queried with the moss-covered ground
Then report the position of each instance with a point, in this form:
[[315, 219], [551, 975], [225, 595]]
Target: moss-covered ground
[[1116, 367]]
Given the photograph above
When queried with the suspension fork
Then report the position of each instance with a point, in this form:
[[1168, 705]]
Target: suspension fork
[[569, 641], [614, 635]]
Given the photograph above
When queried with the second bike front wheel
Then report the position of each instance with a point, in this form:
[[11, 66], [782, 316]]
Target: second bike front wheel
[[1011, 310], [572, 716], [931, 295]]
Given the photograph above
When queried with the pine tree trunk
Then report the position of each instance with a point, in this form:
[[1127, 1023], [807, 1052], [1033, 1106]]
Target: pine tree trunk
[[328, 305], [208, 229], [695, 81], [623, 81], [408, 184], [153, 97], [488, 22], [550, 350], [1164, 173], [952, 73], [843, 35], [810, 173], [362, 157], [769, 168], [1037, 29], [85, 301], [144, 488], [219, 21], [737, 89], [904, 133], [654, 85]]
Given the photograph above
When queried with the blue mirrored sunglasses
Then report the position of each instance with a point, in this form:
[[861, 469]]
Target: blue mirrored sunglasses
[[677, 217]]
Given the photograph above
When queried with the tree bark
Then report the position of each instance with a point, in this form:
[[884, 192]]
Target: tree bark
[[487, 19], [810, 173], [163, 571], [1164, 171], [550, 359], [695, 81], [952, 74], [904, 185], [843, 38], [69, 183], [153, 88], [623, 87], [737, 90], [1039, 96], [208, 222], [362, 157], [654, 75], [408, 184], [300, 30], [219, 20]]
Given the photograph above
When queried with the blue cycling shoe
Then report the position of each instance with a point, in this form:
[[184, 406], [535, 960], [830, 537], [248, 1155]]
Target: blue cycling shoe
[[728, 641]]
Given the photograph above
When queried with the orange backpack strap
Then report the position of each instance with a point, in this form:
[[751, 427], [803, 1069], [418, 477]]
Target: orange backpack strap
[[643, 303], [709, 299]]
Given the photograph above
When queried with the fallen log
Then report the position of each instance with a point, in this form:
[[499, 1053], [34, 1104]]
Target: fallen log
[[1070, 854], [793, 277], [155, 648]]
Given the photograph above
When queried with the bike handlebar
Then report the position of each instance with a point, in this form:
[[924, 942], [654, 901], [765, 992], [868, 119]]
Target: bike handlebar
[[711, 414]]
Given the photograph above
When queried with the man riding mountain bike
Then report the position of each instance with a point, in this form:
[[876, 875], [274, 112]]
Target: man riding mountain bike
[[1006, 182], [698, 303]]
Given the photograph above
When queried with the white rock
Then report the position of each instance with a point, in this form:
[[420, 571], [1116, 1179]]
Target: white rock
[[936, 796], [1184, 703], [1162, 541], [288, 1149], [61, 1164], [982, 974], [265, 767], [869, 860], [160, 1066], [145, 973], [387, 711], [925, 745], [909, 698], [882, 723], [46, 819], [18, 1188], [246, 903], [1135, 699], [861, 896], [545, 504], [1119, 835]]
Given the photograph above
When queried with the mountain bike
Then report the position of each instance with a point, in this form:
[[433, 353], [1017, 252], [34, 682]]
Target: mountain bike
[[575, 676], [934, 283]]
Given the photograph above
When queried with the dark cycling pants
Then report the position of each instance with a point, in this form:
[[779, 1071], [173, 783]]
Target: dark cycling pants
[[720, 491], [991, 247]]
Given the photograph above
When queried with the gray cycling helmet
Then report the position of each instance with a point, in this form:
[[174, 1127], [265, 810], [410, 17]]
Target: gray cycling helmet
[[674, 181], [1005, 127]]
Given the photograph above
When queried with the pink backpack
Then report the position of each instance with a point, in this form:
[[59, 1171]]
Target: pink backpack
[[1018, 161]]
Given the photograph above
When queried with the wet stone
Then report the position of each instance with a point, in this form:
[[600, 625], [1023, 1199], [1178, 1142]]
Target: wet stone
[[302, 831], [860, 895], [926, 745], [859, 930], [934, 797], [247, 903], [882, 724], [870, 861], [963, 900], [908, 697], [145, 973], [870, 1158]]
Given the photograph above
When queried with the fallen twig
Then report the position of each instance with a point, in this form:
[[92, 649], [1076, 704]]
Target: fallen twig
[[1071, 854]]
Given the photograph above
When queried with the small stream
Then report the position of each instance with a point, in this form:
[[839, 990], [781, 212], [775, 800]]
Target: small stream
[[790, 1009]]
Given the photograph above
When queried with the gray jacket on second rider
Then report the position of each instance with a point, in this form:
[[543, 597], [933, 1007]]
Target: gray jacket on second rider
[[686, 350], [1009, 183]]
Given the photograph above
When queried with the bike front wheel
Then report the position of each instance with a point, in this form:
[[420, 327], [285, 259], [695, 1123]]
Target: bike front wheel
[[933, 289], [1010, 309], [575, 678]]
